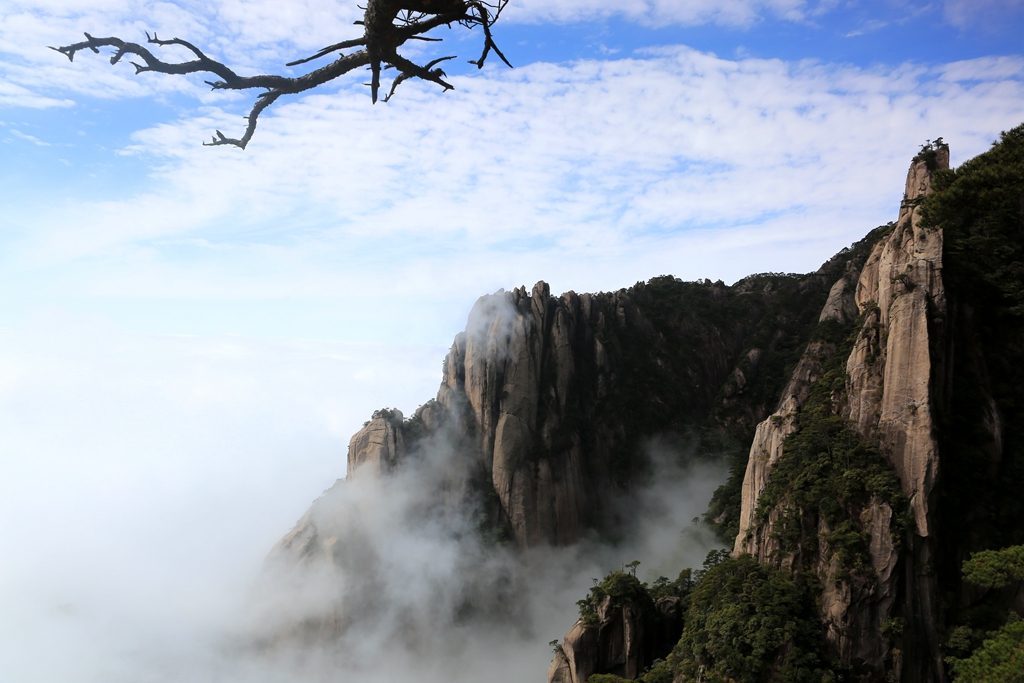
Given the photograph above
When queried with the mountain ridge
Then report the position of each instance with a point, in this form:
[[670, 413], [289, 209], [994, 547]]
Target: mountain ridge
[[837, 398]]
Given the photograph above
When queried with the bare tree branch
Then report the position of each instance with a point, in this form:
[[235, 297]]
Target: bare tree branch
[[262, 102], [327, 50], [387, 25], [404, 75]]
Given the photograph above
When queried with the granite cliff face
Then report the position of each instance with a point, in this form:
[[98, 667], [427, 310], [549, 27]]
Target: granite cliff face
[[929, 380], [552, 400], [548, 405], [378, 447], [869, 366], [887, 398], [539, 432]]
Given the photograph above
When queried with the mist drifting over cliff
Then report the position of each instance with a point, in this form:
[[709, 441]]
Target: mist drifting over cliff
[[412, 591], [116, 574]]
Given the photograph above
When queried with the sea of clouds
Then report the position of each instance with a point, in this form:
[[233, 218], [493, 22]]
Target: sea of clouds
[[147, 477]]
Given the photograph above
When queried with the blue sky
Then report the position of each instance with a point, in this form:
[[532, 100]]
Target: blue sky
[[112, 208], [860, 33], [189, 336]]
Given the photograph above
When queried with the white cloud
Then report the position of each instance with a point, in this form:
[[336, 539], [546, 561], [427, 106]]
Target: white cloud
[[984, 69], [13, 95], [970, 13], [31, 138], [868, 27], [737, 13], [621, 163], [147, 476]]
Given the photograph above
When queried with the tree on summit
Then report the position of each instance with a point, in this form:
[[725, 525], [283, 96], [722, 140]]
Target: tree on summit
[[387, 25]]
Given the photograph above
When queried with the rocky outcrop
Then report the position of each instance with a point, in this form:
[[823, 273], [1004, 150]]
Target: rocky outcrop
[[613, 644], [538, 435], [842, 305], [302, 545], [769, 438], [890, 388], [379, 446], [622, 639], [888, 400], [890, 368], [494, 384], [530, 386], [764, 452], [551, 400]]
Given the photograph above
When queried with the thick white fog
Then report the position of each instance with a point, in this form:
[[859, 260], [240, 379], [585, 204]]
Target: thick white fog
[[145, 479]]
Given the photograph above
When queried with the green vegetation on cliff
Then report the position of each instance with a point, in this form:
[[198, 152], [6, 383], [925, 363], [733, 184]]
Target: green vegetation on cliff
[[750, 623], [828, 473], [621, 587], [787, 328], [995, 568], [744, 623], [1000, 657], [673, 370], [793, 304], [980, 400], [980, 207]]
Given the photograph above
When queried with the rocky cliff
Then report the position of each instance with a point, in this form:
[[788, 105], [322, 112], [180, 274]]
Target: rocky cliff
[[887, 400], [873, 412], [552, 400], [890, 455], [911, 390], [622, 638]]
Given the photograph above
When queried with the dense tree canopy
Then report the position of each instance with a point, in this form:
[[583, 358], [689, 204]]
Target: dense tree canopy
[[387, 25], [1000, 658]]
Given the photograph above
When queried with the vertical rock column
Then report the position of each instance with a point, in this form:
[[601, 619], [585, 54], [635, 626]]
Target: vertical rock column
[[890, 367], [890, 402], [888, 399]]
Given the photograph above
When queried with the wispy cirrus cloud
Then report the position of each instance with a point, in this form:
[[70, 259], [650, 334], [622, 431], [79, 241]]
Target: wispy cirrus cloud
[[986, 69], [733, 13], [31, 138], [14, 95], [868, 27], [986, 13], [261, 36]]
